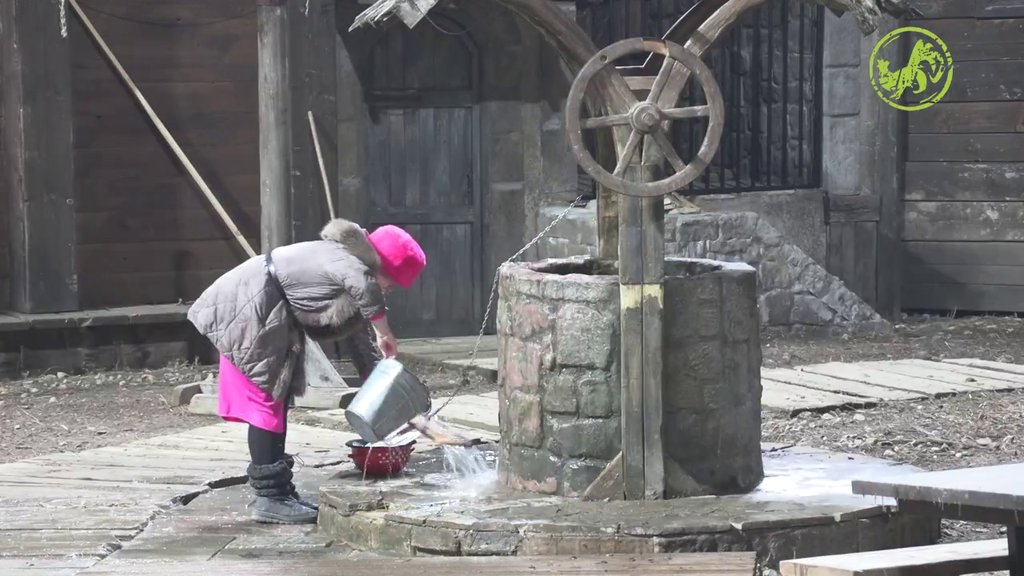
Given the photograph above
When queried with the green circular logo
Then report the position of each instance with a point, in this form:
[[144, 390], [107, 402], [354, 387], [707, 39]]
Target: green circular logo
[[924, 78]]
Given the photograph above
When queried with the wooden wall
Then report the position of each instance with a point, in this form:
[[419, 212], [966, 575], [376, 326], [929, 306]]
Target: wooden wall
[[146, 234], [964, 198]]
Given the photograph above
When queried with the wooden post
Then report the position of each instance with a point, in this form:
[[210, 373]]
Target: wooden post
[[275, 124], [39, 160], [652, 222], [312, 65], [641, 271]]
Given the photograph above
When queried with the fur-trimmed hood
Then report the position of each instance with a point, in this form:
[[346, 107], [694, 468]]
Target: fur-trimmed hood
[[354, 238]]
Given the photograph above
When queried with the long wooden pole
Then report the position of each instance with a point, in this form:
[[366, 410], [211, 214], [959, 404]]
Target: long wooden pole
[[163, 130], [323, 169]]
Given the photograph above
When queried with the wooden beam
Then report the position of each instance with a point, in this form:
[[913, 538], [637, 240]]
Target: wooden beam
[[39, 162], [631, 341], [887, 176], [275, 124], [313, 68], [652, 223]]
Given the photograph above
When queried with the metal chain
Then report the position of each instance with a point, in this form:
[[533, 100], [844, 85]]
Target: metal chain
[[464, 374]]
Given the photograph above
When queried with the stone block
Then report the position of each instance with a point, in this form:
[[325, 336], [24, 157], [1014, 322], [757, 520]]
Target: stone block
[[203, 404], [696, 228], [842, 88], [562, 545], [588, 438], [559, 395], [527, 319], [739, 295], [701, 359], [776, 307], [842, 42], [841, 154], [773, 274], [598, 292], [525, 421], [586, 335], [578, 475], [691, 309], [809, 310], [682, 392], [531, 470], [182, 394], [490, 543], [507, 157], [522, 365], [440, 540], [597, 397]]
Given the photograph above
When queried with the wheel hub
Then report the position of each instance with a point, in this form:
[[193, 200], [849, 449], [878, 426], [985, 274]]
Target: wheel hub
[[645, 117]]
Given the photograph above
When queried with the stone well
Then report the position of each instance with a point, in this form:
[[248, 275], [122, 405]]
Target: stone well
[[560, 395]]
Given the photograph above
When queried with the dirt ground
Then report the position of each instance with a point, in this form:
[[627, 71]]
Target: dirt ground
[[59, 412]]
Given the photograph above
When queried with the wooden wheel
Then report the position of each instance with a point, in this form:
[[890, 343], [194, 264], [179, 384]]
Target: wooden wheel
[[647, 119]]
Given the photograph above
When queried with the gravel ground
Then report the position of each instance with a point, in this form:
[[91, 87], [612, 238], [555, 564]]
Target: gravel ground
[[60, 412]]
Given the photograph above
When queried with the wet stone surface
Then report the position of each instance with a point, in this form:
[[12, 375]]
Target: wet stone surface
[[803, 508]]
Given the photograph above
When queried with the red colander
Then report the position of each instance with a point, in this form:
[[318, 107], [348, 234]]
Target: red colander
[[380, 461]]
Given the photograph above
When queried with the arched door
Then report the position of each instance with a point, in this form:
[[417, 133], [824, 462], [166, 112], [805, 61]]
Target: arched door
[[424, 170]]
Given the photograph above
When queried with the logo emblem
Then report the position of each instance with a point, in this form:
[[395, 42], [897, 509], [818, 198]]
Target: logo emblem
[[915, 82]]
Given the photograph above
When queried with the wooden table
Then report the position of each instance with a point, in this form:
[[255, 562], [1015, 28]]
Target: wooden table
[[992, 495]]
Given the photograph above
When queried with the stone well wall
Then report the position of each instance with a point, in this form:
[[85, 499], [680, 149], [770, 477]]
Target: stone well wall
[[558, 329]]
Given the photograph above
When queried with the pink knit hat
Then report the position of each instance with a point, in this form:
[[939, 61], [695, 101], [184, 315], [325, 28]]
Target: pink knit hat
[[401, 257]]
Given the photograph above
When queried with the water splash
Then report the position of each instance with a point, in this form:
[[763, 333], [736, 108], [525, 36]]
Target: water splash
[[473, 474]]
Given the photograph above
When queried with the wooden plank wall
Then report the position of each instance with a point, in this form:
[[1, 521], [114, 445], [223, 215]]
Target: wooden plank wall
[[146, 234], [964, 220]]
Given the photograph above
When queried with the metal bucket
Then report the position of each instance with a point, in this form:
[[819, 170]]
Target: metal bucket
[[387, 401]]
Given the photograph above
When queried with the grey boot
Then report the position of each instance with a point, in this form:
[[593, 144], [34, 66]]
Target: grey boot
[[289, 460], [275, 503]]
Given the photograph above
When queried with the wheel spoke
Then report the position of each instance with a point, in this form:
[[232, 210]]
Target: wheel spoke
[[688, 112], [661, 80], [605, 121], [627, 154], [668, 150]]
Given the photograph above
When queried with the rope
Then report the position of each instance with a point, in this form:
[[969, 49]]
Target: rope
[[464, 373]]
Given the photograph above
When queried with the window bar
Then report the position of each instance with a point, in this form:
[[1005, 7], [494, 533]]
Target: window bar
[[802, 138], [769, 140], [785, 92]]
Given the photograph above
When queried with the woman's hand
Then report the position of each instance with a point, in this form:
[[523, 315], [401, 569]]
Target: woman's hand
[[385, 338], [388, 345]]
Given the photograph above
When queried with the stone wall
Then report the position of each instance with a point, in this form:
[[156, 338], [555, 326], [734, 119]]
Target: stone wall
[[558, 367], [558, 370], [793, 289]]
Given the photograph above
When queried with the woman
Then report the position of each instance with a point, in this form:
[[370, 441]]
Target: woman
[[257, 315]]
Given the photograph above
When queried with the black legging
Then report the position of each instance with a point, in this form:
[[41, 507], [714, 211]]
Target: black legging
[[266, 447]]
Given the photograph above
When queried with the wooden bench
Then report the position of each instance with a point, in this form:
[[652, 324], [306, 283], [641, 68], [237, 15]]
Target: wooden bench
[[697, 564], [938, 560]]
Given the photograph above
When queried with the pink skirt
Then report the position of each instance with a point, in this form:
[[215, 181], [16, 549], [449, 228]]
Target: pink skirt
[[239, 400]]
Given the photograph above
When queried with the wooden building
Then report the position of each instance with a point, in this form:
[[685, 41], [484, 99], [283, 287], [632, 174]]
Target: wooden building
[[454, 130]]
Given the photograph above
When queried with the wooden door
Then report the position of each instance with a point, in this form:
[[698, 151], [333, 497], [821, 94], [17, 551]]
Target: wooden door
[[423, 171]]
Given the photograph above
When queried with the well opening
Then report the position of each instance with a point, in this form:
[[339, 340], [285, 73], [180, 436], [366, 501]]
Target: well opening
[[560, 392]]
